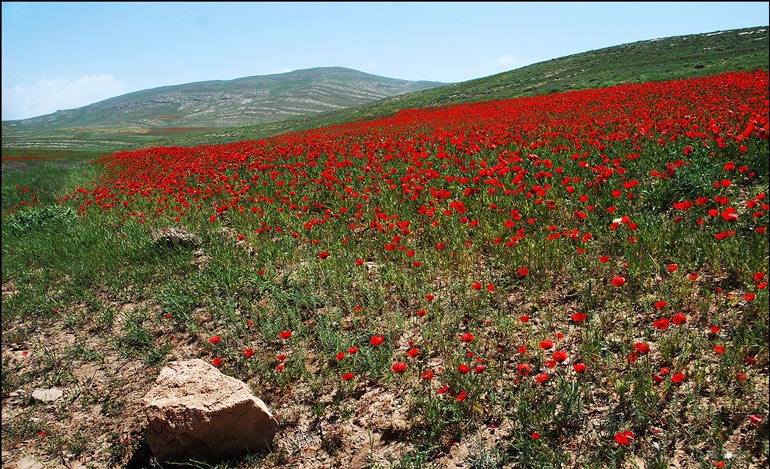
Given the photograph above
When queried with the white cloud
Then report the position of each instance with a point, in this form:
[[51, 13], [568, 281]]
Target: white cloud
[[510, 61], [371, 66], [52, 94]]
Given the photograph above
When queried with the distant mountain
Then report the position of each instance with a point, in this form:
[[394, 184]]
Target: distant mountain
[[243, 101]]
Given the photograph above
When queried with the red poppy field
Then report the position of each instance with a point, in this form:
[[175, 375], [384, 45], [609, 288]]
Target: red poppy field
[[569, 280]]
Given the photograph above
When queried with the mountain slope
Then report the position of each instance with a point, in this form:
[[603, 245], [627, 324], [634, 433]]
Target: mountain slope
[[668, 58], [652, 60], [231, 103]]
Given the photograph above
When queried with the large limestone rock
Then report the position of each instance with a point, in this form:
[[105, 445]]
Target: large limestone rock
[[194, 411]]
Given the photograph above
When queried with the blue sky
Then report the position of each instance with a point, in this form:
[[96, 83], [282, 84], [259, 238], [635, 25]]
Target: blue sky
[[66, 55]]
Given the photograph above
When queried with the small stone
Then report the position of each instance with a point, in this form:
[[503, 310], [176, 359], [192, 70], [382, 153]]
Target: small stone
[[47, 395]]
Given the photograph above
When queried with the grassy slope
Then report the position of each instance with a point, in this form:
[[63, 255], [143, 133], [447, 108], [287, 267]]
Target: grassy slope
[[213, 104], [654, 60]]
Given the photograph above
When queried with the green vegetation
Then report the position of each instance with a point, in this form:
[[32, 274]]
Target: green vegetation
[[653, 60]]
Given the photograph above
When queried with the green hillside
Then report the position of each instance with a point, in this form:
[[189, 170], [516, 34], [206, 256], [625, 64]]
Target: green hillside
[[215, 104], [651, 60]]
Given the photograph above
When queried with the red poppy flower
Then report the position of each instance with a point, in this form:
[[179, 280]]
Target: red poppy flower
[[280, 367], [353, 349], [285, 335], [467, 337], [661, 324], [579, 317], [546, 344], [542, 378], [412, 352], [377, 340], [671, 268], [340, 356], [280, 357], [679, 319], [660, 304], [624, 437], [618, 281], [523, 271], [430, 297], [755, 419], [749, 296], [677, 378], [560, 356], [427, 375], [719, 349], [217, 362], [462, 396], [421, 313], [535, 435], [642, 347], [249, 352], [323, 254], [479, 369], [579, 367], [522, 350], [523, 369], [398, 367], [524, 318], [463, 368], [347, 376], [215, 340]]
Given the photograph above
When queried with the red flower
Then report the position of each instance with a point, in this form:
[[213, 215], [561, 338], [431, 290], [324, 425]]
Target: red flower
[[249, 352], [347, 376], [217, 362], [398, 367], [340, 356], [479, 369], [427, 375], [523, 271], [661, 324], [755, 419], [462, 396], [624, 437], [719, 349], [412, 352], [677, 378], [285, 335], [463, 368], [642, 347], [542, 378], [535, 435], [579, 317], [749, 296], [323, 254], [671, 268], [430, 297], [421, 313], [524, 318], [467, 337], [560, 356], [280, 367], [618, 281], [215, 340], [660, 304], [579, 367], [679, 319], [546, 344], [353, 349], [377, 340], [523, 369]]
